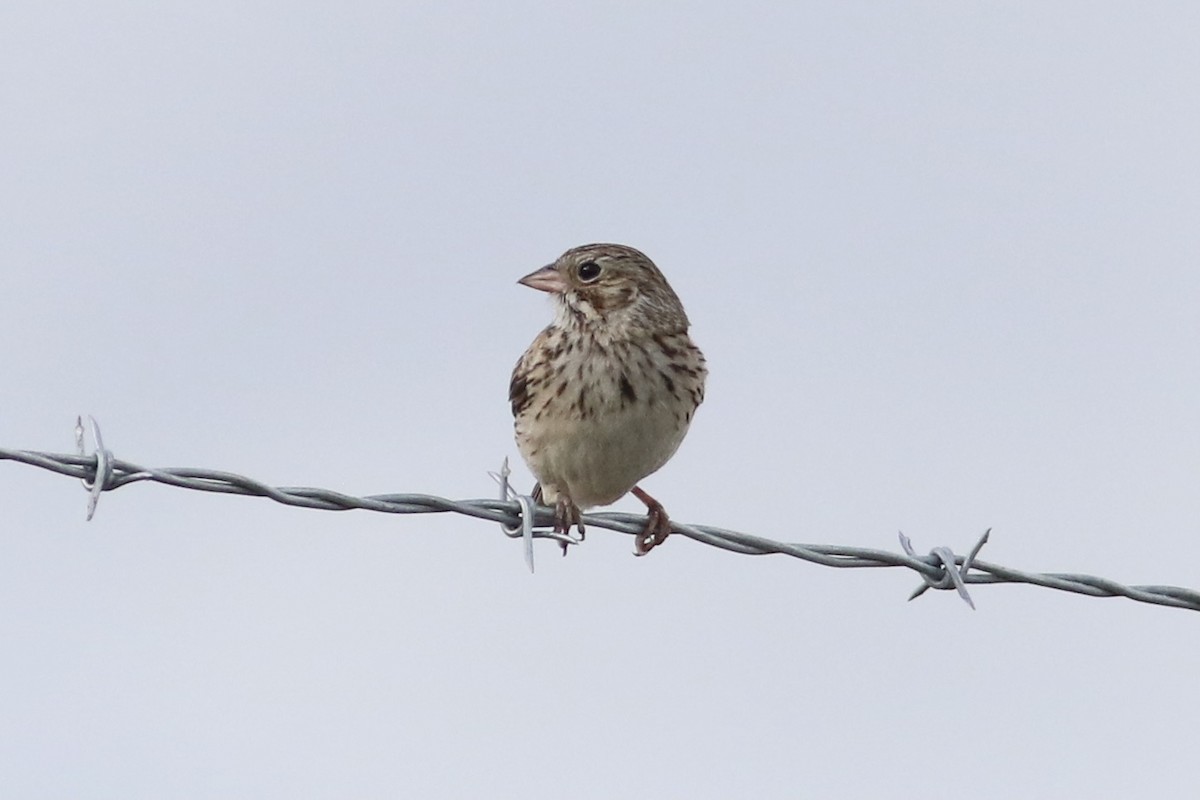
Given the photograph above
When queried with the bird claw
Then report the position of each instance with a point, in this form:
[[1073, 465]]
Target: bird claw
[[566, 516], [658, 525]]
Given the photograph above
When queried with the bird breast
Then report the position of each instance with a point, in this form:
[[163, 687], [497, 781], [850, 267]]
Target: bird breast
[[600, 416]]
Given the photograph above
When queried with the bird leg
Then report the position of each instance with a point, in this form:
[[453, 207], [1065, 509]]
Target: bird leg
[[658, 525], [566, 515]]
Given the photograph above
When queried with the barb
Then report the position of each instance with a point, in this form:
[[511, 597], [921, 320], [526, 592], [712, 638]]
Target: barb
[[942, 569], [525, 529], [952, 576], [103, 472]]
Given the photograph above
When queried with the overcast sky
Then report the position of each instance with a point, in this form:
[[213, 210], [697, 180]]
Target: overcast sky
[[943, 258]]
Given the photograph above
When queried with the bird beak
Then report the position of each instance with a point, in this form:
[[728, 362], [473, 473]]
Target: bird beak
[[546, 279]]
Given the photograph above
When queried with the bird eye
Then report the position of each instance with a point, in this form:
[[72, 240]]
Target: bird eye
[[589, 271]]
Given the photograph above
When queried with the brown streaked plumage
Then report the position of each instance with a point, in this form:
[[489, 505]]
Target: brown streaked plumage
[[605, 394]]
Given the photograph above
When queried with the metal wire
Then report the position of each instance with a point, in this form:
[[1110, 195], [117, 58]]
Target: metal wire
[[941, 569]]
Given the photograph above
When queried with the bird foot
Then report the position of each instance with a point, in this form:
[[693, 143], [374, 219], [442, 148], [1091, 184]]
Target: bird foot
[[566, 516], [658, 525]]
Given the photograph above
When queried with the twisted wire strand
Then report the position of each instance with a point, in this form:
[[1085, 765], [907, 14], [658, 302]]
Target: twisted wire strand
[[101, 472]]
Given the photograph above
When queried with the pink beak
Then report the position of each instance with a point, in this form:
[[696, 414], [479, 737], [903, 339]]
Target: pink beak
[[546, 279]]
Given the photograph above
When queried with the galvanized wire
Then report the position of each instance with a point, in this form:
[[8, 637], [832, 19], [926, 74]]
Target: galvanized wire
[[941, 569]]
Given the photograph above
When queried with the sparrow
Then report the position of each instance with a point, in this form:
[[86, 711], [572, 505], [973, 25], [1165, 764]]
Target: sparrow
[[605, 394]]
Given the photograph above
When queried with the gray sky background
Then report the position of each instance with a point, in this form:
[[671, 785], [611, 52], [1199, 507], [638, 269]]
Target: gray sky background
[[944, 261]]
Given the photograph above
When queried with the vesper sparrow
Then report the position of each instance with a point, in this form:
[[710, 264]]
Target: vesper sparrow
[[605, 394]]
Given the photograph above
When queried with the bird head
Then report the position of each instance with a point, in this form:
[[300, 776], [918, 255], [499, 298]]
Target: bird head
[[611, 287]]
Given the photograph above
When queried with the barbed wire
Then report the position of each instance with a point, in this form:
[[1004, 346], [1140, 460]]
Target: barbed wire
[[519, 516]]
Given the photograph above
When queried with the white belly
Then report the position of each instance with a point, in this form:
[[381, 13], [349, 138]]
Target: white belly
[[597, 461]]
